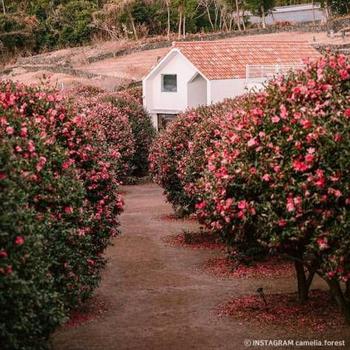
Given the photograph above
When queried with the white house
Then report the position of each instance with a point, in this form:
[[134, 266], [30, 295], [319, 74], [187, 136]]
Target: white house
[[204, 72]]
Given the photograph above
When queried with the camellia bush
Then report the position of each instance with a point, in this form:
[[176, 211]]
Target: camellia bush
[[282, 175], [220, 185], [276, 172], [129, 101], [113, 130], [168, 161], [59, 209], [121, 113]]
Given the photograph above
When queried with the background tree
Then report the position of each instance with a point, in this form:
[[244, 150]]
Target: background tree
[[261, 8]]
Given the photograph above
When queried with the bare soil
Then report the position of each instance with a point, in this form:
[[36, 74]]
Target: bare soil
[[99, 65], [158, 297]]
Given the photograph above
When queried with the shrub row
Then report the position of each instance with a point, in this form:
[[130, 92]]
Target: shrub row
[[127, 104], [61, 161], [272, 171]]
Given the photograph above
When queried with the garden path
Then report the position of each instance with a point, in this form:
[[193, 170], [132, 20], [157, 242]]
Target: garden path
[[157, 296]]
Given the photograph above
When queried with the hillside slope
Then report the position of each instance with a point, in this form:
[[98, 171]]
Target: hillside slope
[[112, 65]]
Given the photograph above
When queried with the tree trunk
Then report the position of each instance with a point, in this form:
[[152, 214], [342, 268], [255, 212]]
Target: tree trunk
[[180, 22], [209, 18], [263, 16], [328, 11], [230, 22], [3, 7], [216, 16], [224, 21], [133, 26], [238, 16], [243, 23], [184, 11], [168, 12], [303, 285], [340, 299], [184, 26]]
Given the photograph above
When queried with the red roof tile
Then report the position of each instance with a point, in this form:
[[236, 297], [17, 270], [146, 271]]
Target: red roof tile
[[228, 59]]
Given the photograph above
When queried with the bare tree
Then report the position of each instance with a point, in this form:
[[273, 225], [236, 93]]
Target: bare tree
[[167, 4], [238, 15]]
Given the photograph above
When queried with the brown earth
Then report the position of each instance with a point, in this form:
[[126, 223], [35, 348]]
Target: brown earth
[[159, 298], [99, 65]]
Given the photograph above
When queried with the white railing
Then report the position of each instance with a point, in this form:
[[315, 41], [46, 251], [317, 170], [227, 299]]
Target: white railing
[[270, 70], [257, 74]]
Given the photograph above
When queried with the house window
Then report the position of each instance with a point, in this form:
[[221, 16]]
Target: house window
[[169, 83]]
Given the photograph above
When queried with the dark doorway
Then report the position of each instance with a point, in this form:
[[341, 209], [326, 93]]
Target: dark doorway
[[164, 120]]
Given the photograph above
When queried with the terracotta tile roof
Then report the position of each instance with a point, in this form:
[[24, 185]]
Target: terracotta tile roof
[[228, 59]]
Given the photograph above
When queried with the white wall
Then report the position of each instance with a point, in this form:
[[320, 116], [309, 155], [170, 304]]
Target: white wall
[[156, 99], [221, 89], [197, 92]]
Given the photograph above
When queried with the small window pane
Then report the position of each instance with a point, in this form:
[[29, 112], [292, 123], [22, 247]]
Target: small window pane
[[169, 83]]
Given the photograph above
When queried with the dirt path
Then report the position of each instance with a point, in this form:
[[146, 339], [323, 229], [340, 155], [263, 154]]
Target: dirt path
[[158, 298]]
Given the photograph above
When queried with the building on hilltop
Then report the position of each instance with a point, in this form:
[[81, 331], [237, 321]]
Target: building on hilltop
[[303, 13]]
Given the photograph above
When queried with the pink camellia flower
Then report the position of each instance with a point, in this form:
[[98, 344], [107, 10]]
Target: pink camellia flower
[[252, 170], [24, 132], [252, 142], [297, 115], [298, 145], [335, 192], [347, 112], [31, 146], [18, 149], [282, 223], [284, 112], [299, 166], [344, 74], [3, 253], [335, 178], [320, 182], [240, 215], [41, 163], [266, 177], [19, 240], [297, 200], [306, 123], [68, 210], [337, 137], [309, 158], [90, 262], [67, 164], [290, 205], [331, 274], [277, 169], [228, 203], [242, 204], [10, 130], [322, 243], [275, 119], [3, 176]]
